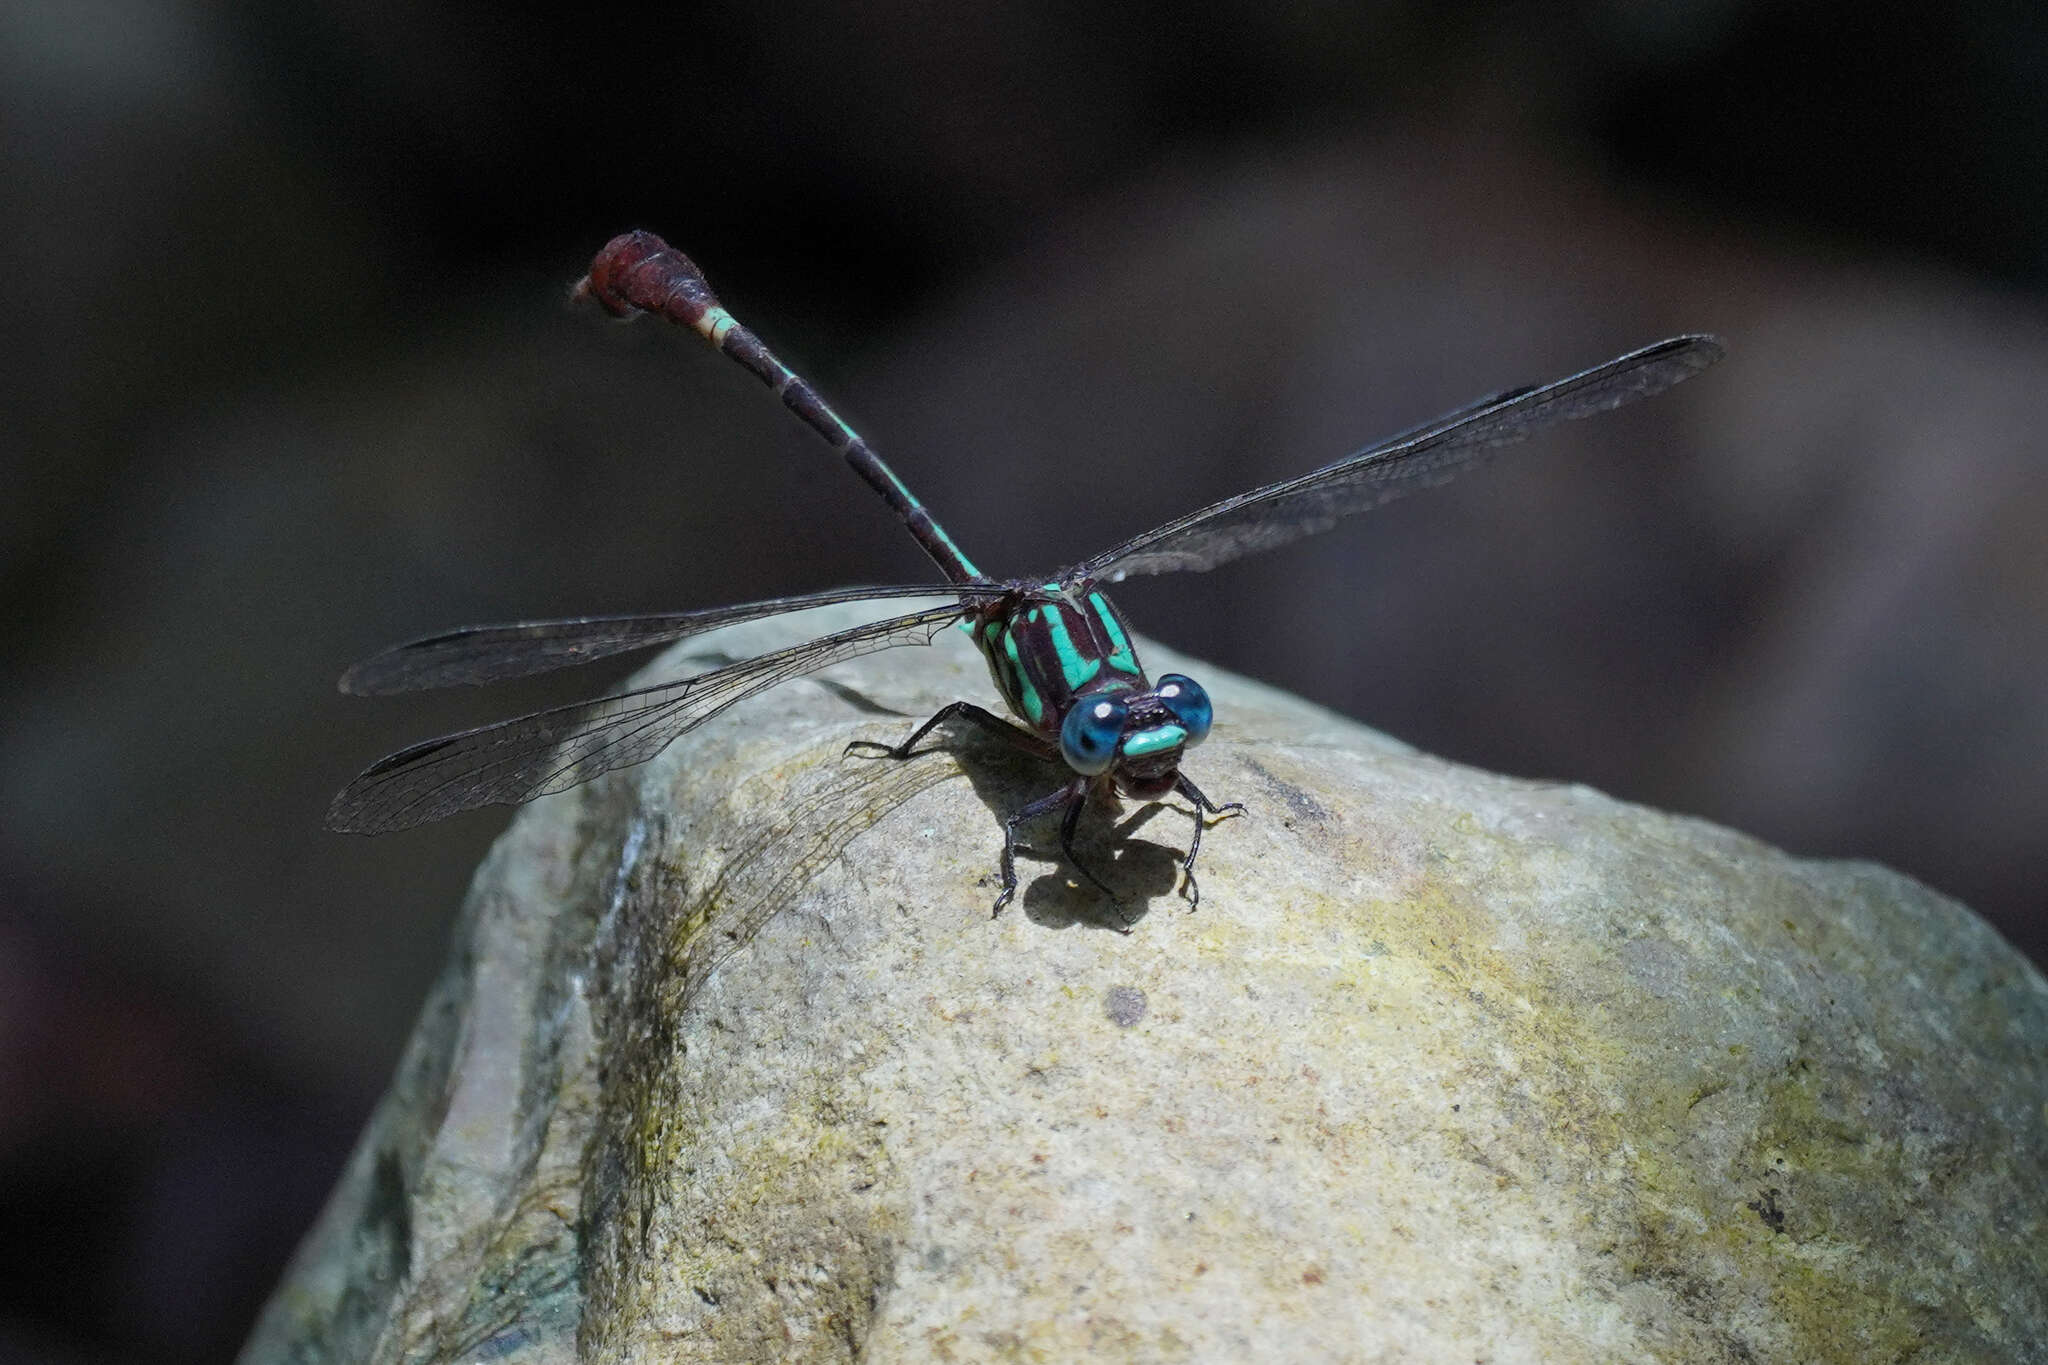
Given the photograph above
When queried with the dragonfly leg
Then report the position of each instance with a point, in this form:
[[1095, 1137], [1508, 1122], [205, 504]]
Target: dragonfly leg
[[964, 710], [1204, 808], [1067, 828], [1073, 794]]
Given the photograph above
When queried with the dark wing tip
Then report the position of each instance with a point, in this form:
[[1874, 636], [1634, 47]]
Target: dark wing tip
[[343, 819], [380, 676], [361, 808], [382, 673], [346, 813], [1653, 368], [409, 667], [1701, 349], [360, 680]]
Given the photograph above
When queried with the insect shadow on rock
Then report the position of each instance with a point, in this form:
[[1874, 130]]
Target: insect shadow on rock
[[1058, 651], [1115, 873]]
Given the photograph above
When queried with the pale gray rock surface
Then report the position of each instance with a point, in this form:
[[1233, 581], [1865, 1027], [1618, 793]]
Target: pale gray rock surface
[[730, 1063]]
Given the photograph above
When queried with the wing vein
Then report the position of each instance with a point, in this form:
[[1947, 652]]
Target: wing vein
[[1278, 513], [547, 751]]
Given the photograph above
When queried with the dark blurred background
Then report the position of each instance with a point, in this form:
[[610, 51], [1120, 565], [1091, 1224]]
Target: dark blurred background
[[290, 376]]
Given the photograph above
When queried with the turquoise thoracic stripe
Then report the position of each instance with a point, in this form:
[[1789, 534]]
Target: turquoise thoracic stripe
[[1077, 668], [1121, 656], [1034, 705]]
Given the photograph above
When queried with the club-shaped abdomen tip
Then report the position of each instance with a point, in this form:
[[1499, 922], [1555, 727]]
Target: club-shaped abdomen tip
[[638, 272]]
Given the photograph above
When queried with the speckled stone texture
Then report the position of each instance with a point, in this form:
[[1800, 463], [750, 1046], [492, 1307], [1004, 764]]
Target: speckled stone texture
[[731, 1064]]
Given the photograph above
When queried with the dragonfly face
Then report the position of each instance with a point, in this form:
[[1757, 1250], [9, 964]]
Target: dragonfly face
[[1137, 738]]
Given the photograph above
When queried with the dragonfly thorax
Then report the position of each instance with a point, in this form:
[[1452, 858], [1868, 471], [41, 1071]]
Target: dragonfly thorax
[[1063, 660], [1048, 646]]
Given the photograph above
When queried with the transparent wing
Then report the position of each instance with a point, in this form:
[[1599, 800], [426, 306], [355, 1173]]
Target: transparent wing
[[1282, 512], [486, 654], [551, 751]]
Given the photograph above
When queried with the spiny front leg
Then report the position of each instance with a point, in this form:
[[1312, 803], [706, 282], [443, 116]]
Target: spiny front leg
[[964, 710], [1204, 807], [1074, 793]]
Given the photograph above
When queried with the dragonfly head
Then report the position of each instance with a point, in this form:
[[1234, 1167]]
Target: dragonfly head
[[1137, 737]]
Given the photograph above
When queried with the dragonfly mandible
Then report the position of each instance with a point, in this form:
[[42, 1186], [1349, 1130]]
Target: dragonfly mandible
[[1059, 652]]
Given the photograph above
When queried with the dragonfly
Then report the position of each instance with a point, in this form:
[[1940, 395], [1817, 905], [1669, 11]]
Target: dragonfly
[[1060, 654]]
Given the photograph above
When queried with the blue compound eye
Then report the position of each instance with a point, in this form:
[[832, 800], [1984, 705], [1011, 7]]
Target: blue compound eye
[[1184, 697], [1089, 734]]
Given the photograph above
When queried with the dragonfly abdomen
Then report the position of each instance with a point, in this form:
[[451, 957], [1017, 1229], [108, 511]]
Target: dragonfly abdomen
[[1043, 654], [638, 272]]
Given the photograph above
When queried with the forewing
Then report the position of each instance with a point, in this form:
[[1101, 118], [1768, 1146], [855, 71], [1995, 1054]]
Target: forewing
[[1287, 511], [550, 751], [486, 654]]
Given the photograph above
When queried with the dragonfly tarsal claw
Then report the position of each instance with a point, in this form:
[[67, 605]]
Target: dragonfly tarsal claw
[[1125, 923]]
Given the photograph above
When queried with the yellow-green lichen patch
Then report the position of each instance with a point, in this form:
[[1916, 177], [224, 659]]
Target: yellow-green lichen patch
[[770, 1241], [1569, 1081]]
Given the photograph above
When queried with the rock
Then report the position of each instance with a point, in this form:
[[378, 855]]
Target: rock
[[730, 1063]]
